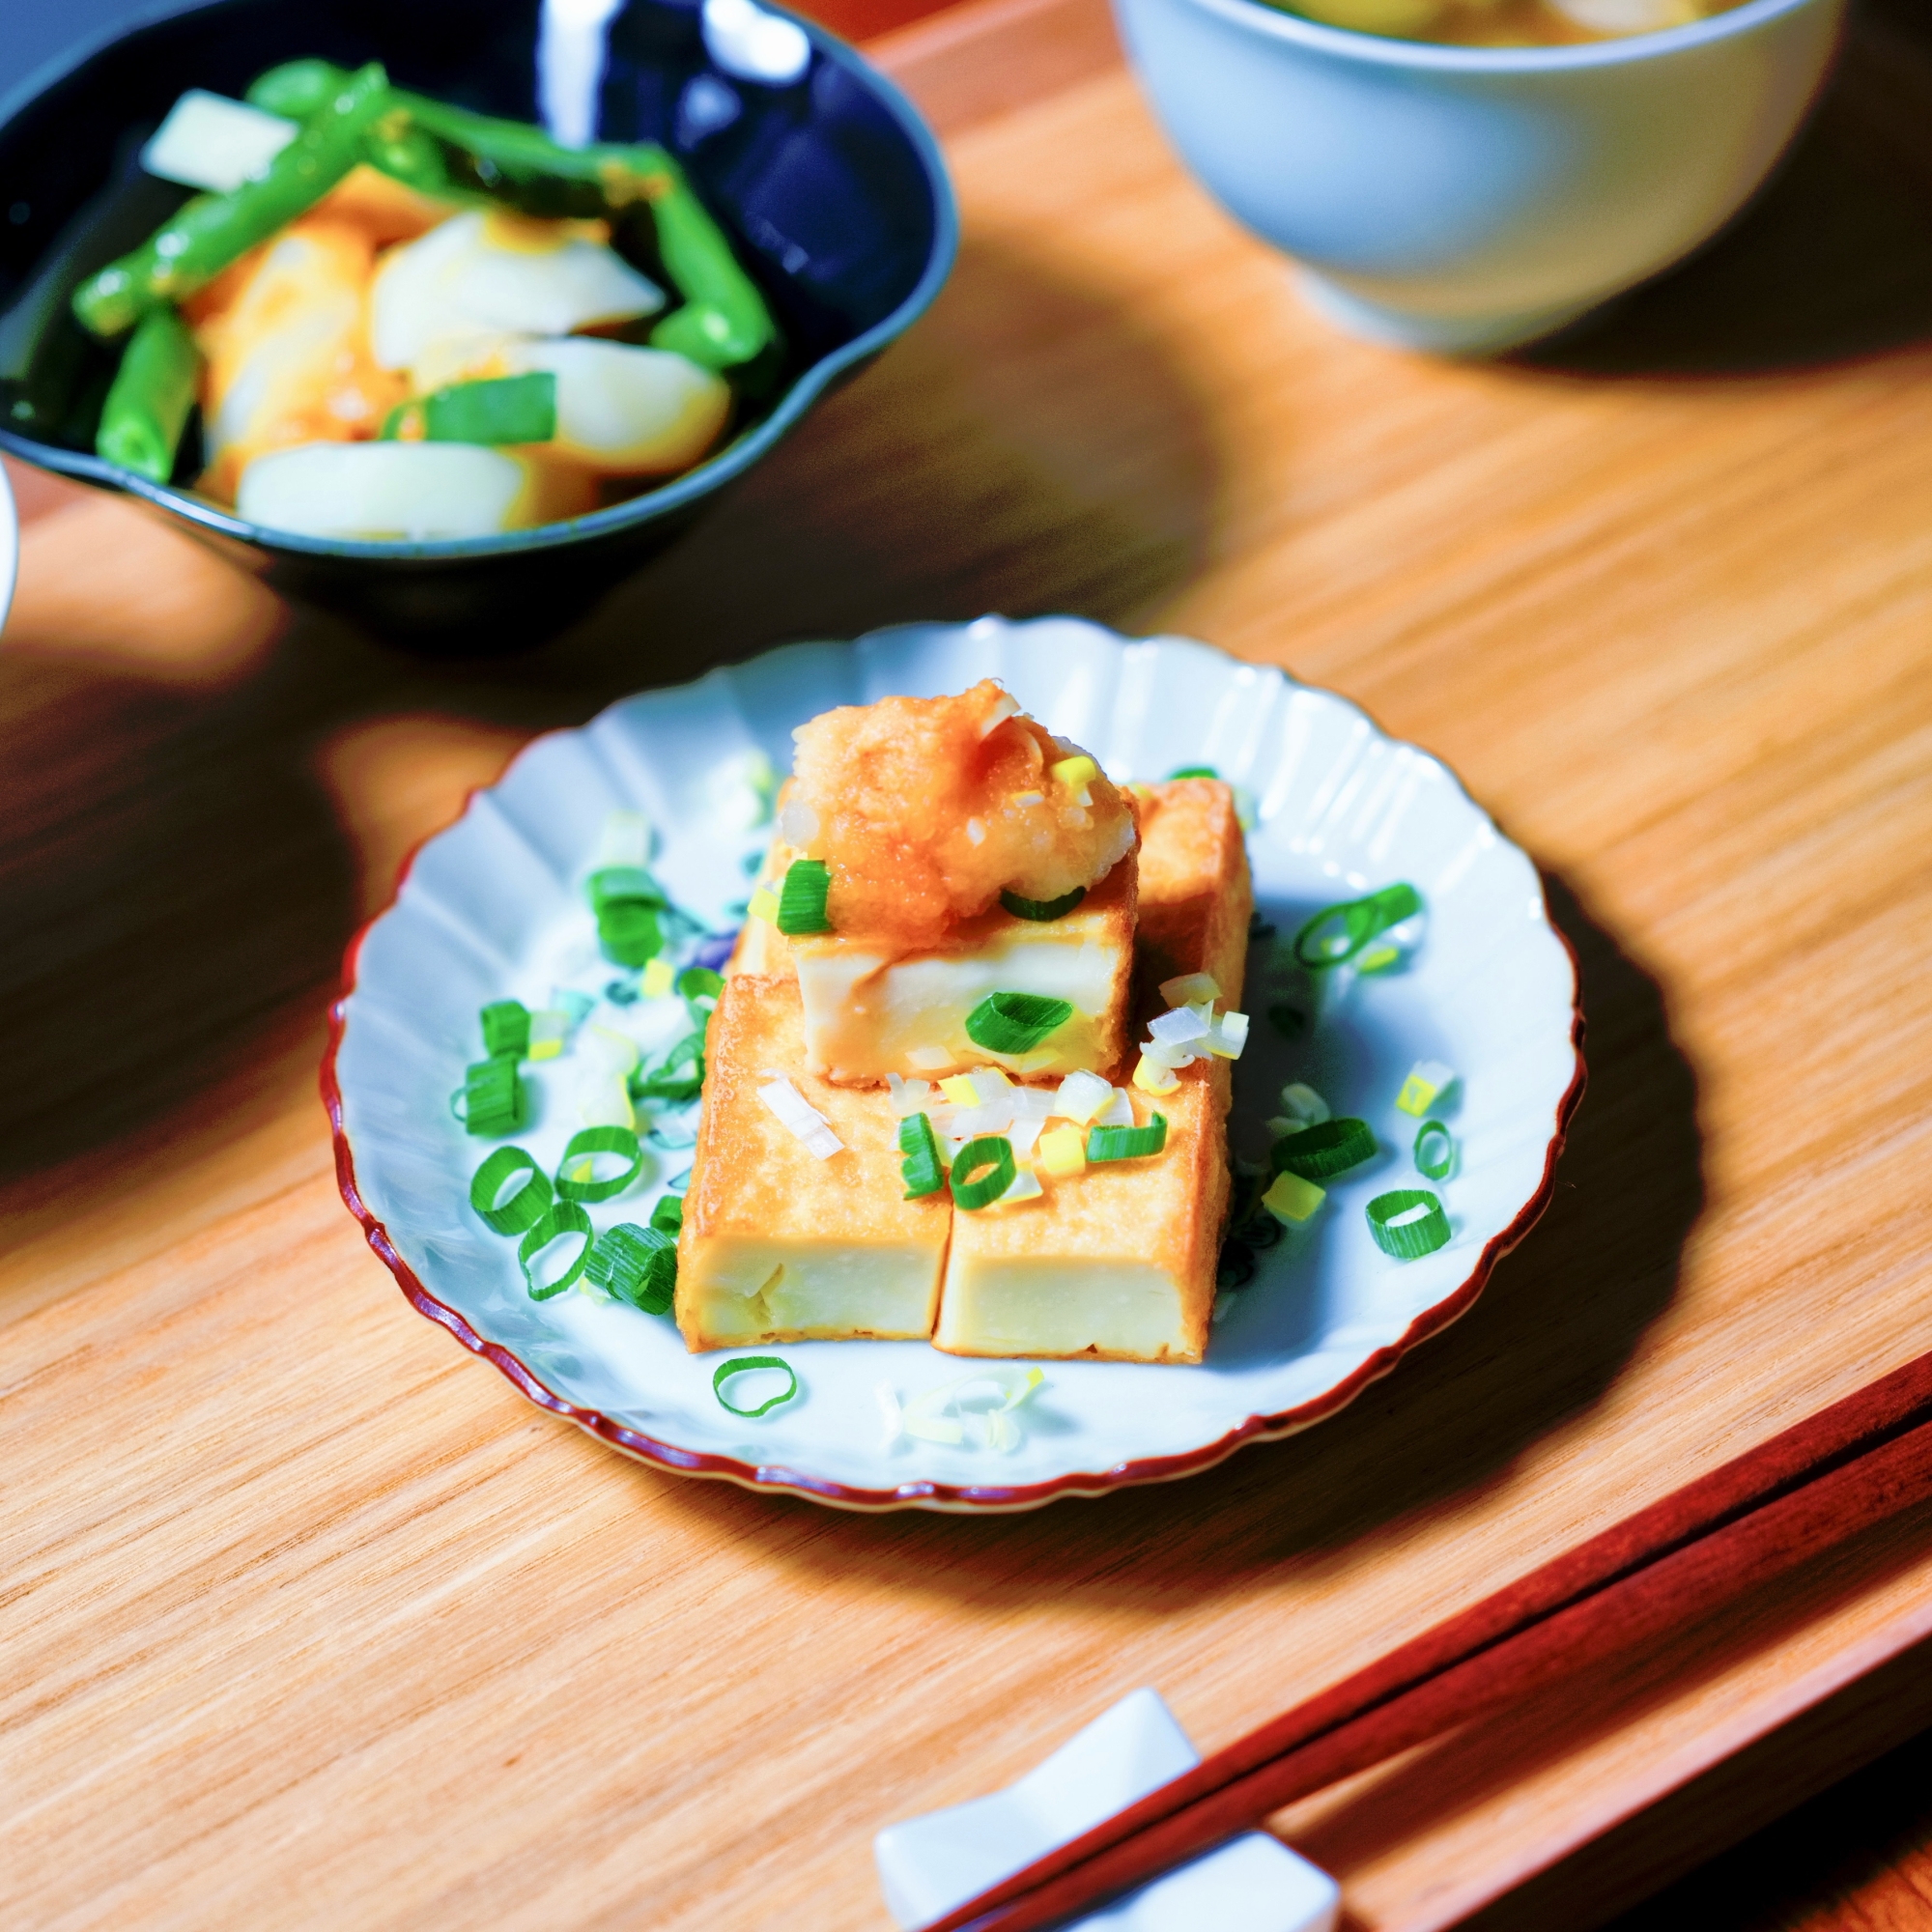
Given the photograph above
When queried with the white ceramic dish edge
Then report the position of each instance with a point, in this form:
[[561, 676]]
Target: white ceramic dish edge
[[1315, 763]]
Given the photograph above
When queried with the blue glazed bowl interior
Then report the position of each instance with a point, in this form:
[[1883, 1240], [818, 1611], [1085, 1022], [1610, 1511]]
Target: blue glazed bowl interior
[[831, 189]]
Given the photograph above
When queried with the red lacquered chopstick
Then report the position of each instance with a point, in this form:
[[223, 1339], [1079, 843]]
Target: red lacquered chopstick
[[1815, 1484]]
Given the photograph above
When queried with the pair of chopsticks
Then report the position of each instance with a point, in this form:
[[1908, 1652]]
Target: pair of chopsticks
[[1775, 1508]]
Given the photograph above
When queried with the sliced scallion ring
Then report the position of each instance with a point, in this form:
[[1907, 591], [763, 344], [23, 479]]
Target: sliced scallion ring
[[1128, 1143], [1042, 910], [1435, 1150], [629, 932], [1407, 1223], [506, 1029], [1321, 943], [802, 899], [489, 1102], [577, 1176], [993, 1152], [559, 1222], [698, 986], [1015, 1022], [1329, 1147], [667, 1216], [1192, 772], [920, 1168], [727, 1370], [624, 885], [637, 1264], [509, 1214]]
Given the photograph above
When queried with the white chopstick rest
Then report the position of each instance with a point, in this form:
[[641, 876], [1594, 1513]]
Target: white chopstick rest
[[1252, 1883]]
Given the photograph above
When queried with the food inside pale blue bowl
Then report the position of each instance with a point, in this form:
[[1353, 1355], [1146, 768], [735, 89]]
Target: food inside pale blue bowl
[[317, 282]]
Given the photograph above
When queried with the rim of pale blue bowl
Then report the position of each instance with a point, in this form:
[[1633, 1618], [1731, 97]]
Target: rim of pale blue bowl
[[1351, 42], [713, 473]]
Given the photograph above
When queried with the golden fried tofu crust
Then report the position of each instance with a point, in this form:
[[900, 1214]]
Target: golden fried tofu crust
[[1117, 1262], [779, 1245], [1196, 895]]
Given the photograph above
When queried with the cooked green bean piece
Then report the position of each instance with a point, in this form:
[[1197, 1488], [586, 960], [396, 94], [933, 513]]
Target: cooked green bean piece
[[500, 408], [213, 230], [154, 389], [452, 151]]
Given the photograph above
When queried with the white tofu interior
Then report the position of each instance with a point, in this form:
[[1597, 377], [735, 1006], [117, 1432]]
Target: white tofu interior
[[753, 1288], [865, 1019], [1059, 1305]]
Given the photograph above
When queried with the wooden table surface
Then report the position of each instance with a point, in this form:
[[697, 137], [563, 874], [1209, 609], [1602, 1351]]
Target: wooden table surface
[[307, 1619]]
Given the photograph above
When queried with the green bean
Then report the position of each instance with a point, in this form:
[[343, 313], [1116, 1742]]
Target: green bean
[[213, 230], [296, 89], [142, 419], [455, 152], [723, 320], [500, 408]]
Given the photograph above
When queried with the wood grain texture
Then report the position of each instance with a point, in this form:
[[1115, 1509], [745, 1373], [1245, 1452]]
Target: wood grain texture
[[309, 1621]]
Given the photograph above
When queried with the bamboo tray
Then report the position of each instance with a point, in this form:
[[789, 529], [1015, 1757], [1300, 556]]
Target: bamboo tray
[[310, 1620]]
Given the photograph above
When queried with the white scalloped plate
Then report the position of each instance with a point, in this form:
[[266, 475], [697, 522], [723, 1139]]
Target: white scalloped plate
[[492, 907]]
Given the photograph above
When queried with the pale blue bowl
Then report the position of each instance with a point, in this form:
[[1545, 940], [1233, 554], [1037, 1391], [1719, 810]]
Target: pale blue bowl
[[1466, 199]]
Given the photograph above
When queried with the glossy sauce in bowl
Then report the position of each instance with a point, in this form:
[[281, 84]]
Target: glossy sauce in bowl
[[1509, 24]]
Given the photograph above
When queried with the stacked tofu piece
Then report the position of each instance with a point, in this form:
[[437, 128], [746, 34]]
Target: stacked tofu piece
[[786, 1238]]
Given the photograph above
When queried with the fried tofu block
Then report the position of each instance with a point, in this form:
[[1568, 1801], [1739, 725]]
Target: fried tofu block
[[1117, 1262], [779, 1245], [868, 1015], [1196, 897]]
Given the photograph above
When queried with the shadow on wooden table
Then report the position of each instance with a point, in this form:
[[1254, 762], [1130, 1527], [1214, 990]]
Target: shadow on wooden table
[[1550, 1333], [190, 780], [1448, 1787], [1834, 260]]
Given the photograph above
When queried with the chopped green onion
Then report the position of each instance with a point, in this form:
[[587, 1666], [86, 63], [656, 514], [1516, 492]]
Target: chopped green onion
[[637, 1264], [509, 1214], [678, 1077], [577, 1172], [506, 1029], [624, 885], [1128, 1143], [802, 897], [1360, 922], [628, 933], [727, 1370], [1042, 910], [667, 1216], [921, 1168], [1428, 1081], [995, 1153], [1188, 987], [1015, 1022], [1288, 1021], [562, 1220], [1192, 772], [1292, 1200], [1328, 1147], [698, 986], [1407, 1223], [628, 903], [489, 1102], [1435, 1150]]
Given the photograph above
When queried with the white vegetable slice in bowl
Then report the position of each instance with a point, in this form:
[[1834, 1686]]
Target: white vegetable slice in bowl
[[626, 411], [413, 491], [487, 272], [211, 142]]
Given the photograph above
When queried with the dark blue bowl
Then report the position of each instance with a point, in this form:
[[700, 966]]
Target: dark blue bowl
[[832, 190]]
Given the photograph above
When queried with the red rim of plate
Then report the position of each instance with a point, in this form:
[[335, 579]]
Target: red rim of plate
[[774, 1479]]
